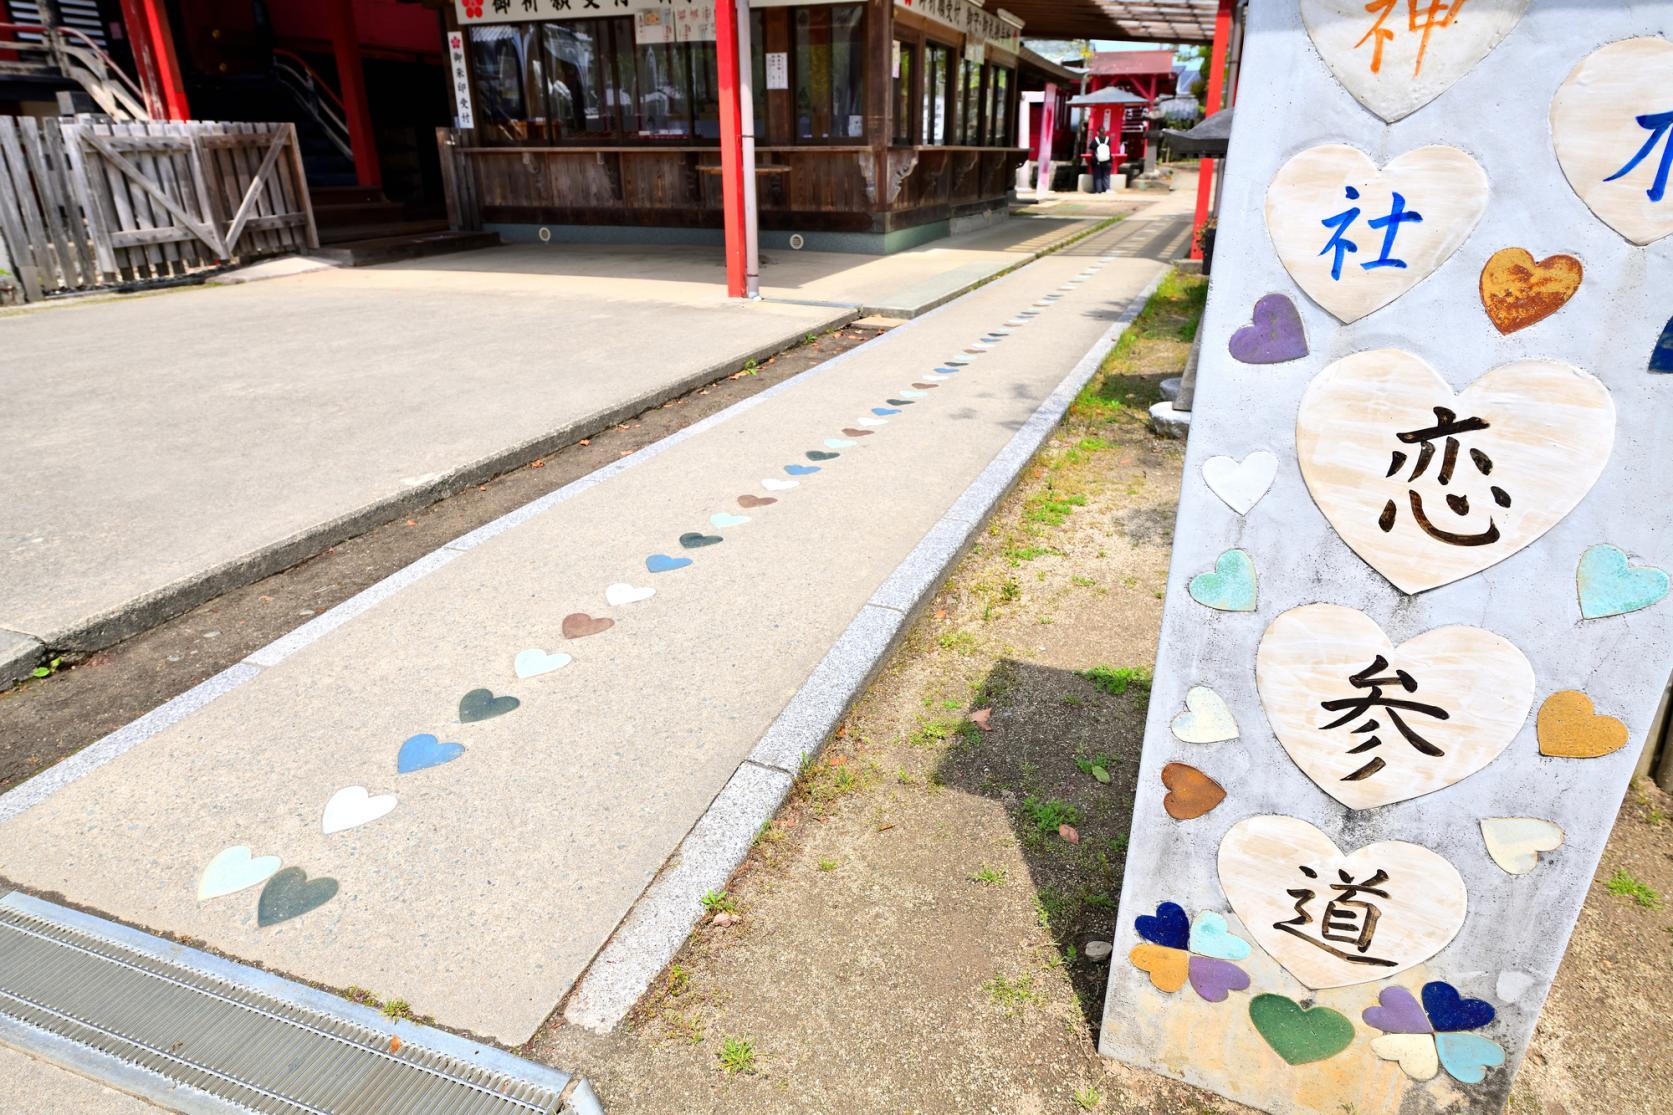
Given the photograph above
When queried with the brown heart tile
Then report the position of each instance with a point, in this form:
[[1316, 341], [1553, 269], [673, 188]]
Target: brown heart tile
[[578, 625], [849, 431], [926, 386], [1517, 291], [756, 501], [1191, 793]]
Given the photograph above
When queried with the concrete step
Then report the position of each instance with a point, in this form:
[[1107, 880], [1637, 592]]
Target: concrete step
[[407, 245]]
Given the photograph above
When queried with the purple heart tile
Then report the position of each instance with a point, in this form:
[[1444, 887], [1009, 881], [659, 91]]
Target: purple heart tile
[[1398, 1013], [1273, 335], [1215, 979]]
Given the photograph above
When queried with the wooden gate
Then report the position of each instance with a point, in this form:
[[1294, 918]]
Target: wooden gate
[[87, 204]]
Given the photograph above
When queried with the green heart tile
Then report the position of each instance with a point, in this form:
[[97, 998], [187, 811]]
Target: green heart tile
[[1298, 1035]]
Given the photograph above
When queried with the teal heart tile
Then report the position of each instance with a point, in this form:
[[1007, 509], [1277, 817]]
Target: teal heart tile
[[1611, 586], [290, 894], [234, 869], [913, 394], [1230, 587], [723, 520], [481, 704], [1467, 1057], [1210, 937], [841, 442]]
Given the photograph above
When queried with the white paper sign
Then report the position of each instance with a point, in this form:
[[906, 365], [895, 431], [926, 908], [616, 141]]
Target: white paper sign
[[462, 115], [778, 71]]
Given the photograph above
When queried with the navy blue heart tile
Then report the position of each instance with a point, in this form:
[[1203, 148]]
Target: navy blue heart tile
[[899, 402], [1170, 928], [1661, 357], [693, 540], [821, 455], [1450, 1012]]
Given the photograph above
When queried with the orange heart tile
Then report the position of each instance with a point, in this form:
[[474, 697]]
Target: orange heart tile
[[1570, 729], [1191, 793], [1517, 292], [1168, 968]]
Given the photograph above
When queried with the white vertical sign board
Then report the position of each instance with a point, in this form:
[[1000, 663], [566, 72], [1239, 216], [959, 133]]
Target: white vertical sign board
[[462, 116], [1416, 629]]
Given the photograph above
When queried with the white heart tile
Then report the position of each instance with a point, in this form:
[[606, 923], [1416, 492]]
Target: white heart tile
[[1383, 54], [1415, 1053], [1613, 161], [1391, 905], [1512, 985], [623, 593], [352, 806], [1442, 185], [534, 662], [232, 870], [1548, 432], [1305, 670], [1206, 718], [1516, 842], [1241, 484], [779, 485], [872, 421]]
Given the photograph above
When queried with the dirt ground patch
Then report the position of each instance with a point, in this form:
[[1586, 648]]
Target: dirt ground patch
[[911, 932]]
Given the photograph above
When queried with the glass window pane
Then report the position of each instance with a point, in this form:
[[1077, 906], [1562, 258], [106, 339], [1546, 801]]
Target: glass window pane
[[664, 89], [574, 65], [938, 62], [705, 91], [902, 131], [758, 68], [497, 55], [970, 107], [999, 111], [828, 52]]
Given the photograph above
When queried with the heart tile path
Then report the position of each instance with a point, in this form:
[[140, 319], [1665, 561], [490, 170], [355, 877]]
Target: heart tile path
[[1398, 1012], [1241, 484], [1568, 727], [623, 593], [1450, 1011], [1481, 677], [1517, 291], [722, 520], [926, 386], [821, 455], [1167, 967], [1191, 793], [579, 625], [1413, 69], [1548, 432], [696, 540], [232, 870], [1206, 718], [423, 751], [1416, 1054], [1467, 1057], [1444, 184], [662, 563], [1514, 843], [1274, 334], [1215, 979], [1298, 1035], [481, 704], [1661, 357], [840, 443], [850, 431], [1210, 937], [881, 411], [1598, 128], [353, 806], [1231, 585], [801, 470], [535, 661], [779, 485], [290, 894], [899, 402], [1610, 585], [1168, 926], [915, 394]]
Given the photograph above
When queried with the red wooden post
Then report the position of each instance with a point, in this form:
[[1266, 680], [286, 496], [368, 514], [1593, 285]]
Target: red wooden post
[[152, 44], [1211, 105], [731, 147], [345, 44]]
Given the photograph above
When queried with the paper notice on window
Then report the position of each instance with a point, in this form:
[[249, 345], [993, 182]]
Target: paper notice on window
[[778, 71], [856, 125]]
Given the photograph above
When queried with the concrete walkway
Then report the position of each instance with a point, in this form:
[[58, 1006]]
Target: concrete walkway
[[614, 682], [164, 449]]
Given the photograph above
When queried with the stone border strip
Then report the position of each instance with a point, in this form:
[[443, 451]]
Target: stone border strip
[[665, 915]]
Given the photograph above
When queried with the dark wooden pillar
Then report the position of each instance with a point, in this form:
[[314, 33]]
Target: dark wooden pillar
[[879, 78]]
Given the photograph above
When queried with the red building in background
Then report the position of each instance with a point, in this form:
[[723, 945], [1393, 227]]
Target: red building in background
[[1148, 74]]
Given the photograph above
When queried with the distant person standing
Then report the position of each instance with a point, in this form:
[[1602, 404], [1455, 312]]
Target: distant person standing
[[1103, 157]]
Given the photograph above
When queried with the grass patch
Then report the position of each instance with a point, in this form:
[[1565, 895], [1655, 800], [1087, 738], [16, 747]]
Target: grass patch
[[1088, 1098], [989, 876], [1624, 885], [1096, 766], [736, 1056], [1116, 681], [1048, 814], [1052, 509], [1011, 995], [827, 865], [960, 642], [718, 902]]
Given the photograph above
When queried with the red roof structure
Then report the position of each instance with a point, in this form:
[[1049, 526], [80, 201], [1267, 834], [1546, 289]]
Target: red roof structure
[[1131, 63]]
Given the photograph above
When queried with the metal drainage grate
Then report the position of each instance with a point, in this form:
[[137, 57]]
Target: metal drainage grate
[[110, 1000]]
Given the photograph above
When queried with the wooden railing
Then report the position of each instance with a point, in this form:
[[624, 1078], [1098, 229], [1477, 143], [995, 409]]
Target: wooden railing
[[90, 204]]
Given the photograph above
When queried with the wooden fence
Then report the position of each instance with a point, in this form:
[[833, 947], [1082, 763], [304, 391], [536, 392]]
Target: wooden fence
[[86, 204]]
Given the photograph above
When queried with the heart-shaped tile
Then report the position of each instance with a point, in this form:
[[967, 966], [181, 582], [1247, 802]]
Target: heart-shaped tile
[[926, 386], [959, 361], [1191, 793], [873, 422], [1661, 357], [534, 662], [1512, 985], [850, 431], [1394, 66], [1415, 1053], [885, 410], [1274, 334], [1168, 967], [821, 455], [1373, 723], [352, 807], [1449, 1011], [840, 443], [662, 563], [779, 485], [1214, 979], [915, 394], [900, 402], [1569, 728], [1241, 484], [1168, 926], [623, 593], [1377, 432], [722, 520], [1609, 122], [1206, 718], [696, 540], [423, 751], [578, 625], [481, 704], [1518, 292], [1398, 1012], [1299, 1035], [1017, 322], [1355, 238], [1467, 1057], [1211, 937], [232, 870], [1331, 919], [749, 501], [1516, 842], [801, 470], [290, 894], [1230, 587], [1611, 586]]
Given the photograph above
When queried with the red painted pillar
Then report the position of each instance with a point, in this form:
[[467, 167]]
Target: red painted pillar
[[159, 69], [1211, 104], [345, 44], [731, 148]]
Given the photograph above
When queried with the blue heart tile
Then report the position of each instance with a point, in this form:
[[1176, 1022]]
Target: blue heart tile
[[1169, 928], [425, 750], [801, 470], [1610, 586], [662, 563], [1467, 1057], [1661, 357], [880, 411], [1450, 1012]]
